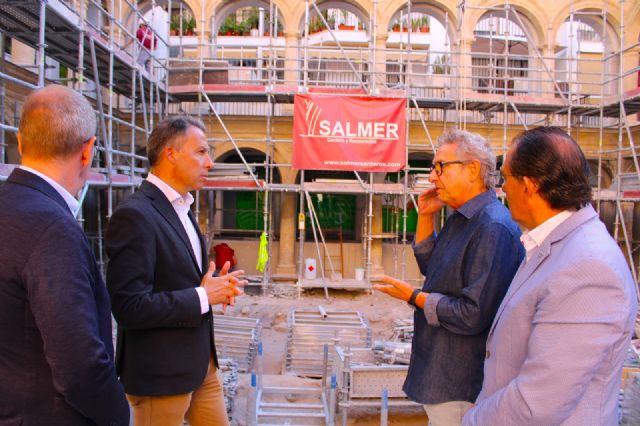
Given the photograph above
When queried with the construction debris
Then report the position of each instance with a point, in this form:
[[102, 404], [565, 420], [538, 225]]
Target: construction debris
[[309, 331], [237, 338], [229, 370], [391, 352], [403, 330]]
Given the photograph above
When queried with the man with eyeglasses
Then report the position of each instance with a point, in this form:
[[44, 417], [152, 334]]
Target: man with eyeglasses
[[467, 267]]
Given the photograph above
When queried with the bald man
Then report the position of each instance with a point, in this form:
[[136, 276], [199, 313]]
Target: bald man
[[56, 350]]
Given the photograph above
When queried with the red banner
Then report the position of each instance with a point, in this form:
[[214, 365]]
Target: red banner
[[348, 133]]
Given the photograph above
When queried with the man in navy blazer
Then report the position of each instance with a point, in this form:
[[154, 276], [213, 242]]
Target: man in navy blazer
[[556, 348], [160, 291], [56, 350]]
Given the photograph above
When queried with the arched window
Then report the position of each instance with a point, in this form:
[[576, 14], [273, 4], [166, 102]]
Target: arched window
[[583, 60], [240, 213], [419, 50], [502, 54]]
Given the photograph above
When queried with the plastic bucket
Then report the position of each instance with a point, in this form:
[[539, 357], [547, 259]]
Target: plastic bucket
[[310, 271], [359, 274]]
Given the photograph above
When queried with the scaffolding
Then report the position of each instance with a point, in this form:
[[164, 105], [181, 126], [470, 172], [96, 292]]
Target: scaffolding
[[486, 81], [88, 47]]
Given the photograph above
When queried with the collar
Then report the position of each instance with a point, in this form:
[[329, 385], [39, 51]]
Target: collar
[[474, 205], [535, 237], [171, 194], [69, 199]]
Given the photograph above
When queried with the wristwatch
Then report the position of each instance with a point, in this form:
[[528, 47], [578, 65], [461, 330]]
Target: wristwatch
[[414, 295]]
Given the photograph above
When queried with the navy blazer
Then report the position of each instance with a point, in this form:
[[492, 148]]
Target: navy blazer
[[56, 349], [164, 342]]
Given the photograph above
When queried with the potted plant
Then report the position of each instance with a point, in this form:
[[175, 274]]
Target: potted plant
[[396, 27], [174, 26], [188, 26], [244, 28], [343, 26], [227, 27], [441, 65], [424, 24], [253, 22], [415, 25]]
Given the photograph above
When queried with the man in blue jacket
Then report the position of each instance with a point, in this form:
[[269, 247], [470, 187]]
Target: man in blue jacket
[[468, 268], [56, 350]]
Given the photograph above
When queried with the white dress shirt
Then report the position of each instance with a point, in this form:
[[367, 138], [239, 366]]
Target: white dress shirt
[[533, 239], [68, 198], [181, 205]]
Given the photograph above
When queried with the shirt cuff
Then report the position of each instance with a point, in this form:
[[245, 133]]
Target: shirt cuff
[[430, 312], [204, 302], [424, 246]]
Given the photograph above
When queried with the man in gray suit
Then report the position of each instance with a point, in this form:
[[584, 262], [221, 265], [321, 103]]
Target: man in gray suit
[[557, 345]]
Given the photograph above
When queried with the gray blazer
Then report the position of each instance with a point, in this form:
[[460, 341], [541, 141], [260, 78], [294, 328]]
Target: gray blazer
[[557, 345]]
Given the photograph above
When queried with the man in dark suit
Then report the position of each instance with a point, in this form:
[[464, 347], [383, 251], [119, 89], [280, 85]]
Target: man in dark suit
[[56, 350], [166, 356]]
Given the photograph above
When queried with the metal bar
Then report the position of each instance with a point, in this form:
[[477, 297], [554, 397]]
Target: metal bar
[[313, 227], [353, 68], [235, 145], [103, 127], [424, 124], [41, 43]]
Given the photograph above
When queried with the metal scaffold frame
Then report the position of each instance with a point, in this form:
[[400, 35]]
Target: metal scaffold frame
[[265, 76], [101, 63]]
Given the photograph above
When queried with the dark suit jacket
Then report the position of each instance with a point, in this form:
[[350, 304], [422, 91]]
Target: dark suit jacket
[[164, 342], [56, 350]]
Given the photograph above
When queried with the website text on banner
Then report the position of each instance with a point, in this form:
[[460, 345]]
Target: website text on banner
[[349, 133]]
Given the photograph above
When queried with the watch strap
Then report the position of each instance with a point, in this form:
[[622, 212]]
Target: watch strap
[[414, 295]]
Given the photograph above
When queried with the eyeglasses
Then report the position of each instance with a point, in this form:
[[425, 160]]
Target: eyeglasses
[[438, 166], [502, 178]]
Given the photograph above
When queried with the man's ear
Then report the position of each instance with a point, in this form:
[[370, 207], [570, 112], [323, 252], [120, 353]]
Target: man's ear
[[87, 152], [530, 185], [475, 168], [170, 153]]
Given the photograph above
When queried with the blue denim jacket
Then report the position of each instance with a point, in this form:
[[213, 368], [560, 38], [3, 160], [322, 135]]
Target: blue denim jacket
[[468, 269]]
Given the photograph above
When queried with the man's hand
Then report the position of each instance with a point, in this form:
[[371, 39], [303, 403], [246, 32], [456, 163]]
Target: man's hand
[[223, 289], [395, 288], [429, 203]]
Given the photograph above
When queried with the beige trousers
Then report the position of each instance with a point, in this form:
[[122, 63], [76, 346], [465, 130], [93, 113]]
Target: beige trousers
[[447, 413], [202, 407]]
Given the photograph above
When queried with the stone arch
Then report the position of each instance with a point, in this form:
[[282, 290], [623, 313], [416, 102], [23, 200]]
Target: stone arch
[[227, 151], [521, 75], [530, 13], [145, 6], [586, 13], [224, 9], [612, 35], [437, 10], [350, 6], [612, 11]]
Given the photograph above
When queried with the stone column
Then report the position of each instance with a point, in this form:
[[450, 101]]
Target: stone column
[[291, 64], [286, 248], [376, 244], [381, 57], [548, 88], [463, 64]]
